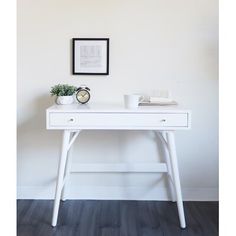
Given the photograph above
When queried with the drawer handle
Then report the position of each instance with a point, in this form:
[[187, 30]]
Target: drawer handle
[[71, 119], [163, 120]]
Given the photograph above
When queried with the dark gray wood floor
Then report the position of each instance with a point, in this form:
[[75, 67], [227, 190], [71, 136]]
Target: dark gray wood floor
[[116, 218]]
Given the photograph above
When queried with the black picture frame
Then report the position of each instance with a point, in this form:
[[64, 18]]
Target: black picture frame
[[97, 55]]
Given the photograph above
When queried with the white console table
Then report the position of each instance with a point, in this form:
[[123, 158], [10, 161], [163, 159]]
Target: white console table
[[163, 120]]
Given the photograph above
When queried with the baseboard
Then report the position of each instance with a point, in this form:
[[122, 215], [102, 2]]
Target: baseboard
[[121, 193]]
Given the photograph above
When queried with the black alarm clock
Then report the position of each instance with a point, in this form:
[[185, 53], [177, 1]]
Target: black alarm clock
[[83, 94]]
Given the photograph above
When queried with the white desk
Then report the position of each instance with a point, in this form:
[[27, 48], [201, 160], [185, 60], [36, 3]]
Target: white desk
[[162, 120]]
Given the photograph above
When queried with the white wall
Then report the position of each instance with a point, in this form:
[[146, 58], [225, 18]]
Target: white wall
[[154, 44]]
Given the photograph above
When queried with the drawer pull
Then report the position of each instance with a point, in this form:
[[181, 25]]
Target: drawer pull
[[71, 120], [163, 120]]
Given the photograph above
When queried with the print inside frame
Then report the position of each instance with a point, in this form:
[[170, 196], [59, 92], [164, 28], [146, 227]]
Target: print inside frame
[[90, 56]]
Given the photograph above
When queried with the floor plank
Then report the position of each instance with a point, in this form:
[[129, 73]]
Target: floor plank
[[116, 218]]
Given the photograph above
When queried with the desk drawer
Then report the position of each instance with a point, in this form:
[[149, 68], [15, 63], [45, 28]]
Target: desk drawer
[[63, 119], [117, 121]]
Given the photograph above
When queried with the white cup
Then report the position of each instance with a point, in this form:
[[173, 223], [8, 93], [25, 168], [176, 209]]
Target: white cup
[[132, 100]]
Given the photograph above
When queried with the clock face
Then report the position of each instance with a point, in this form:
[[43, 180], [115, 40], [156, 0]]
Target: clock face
[[83, 96]]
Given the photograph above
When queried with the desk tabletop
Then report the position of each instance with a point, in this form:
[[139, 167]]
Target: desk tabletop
[[115, 108]]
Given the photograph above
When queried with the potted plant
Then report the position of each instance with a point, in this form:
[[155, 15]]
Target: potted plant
[[64, 93]]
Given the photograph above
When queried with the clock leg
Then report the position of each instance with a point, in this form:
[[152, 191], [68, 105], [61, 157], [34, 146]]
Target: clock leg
[[60, 177], [174, 163]]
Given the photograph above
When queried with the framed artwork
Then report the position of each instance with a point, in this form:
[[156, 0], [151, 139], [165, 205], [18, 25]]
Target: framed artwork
[[90, 56]]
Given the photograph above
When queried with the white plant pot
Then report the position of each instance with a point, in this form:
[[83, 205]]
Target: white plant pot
[[64, 100]]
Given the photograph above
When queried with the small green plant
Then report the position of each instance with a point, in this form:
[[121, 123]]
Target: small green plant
[[63, 90]]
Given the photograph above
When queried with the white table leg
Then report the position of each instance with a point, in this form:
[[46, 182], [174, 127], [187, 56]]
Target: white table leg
[[169, 169], [174, 163], [67, 172], [60, 177]]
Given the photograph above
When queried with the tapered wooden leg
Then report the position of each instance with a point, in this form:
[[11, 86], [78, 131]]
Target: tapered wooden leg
[[67, 172], [60, 177], [169, 169], [174, 163]]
